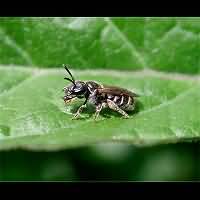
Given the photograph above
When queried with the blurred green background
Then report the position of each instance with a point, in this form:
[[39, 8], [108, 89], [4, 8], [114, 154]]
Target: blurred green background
[[163, 44], [113, 162]]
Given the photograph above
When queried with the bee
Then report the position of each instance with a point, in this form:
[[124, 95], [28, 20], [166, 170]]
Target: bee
[[101, 96]]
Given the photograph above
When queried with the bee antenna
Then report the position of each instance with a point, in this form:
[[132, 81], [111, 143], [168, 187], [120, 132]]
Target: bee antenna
[[69, 80], [72, 80]]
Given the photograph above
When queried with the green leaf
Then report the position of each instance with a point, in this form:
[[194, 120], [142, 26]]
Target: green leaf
[[33, 115], [164, 44]]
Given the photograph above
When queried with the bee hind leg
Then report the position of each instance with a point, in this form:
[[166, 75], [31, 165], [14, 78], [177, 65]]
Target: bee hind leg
[[115, 107]]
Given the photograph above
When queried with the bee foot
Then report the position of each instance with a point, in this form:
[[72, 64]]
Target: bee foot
[[126, 117], [95, 117], [75, 116]]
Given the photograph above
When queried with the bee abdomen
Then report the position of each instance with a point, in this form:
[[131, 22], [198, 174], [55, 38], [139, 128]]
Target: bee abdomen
[[129, 103], [124, 102]]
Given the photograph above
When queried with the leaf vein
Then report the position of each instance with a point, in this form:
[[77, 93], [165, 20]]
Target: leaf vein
[[13, 44], [126, 40]]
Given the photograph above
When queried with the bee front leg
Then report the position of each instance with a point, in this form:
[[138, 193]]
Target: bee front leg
[[115, 107], [79, 111]]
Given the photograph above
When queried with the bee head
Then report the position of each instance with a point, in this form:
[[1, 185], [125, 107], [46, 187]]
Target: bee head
[[75, 89]]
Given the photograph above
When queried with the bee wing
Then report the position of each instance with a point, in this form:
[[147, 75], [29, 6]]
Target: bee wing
[[117, 91]]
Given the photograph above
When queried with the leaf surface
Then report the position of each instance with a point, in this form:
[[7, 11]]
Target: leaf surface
[[34, 116], [163, 44]]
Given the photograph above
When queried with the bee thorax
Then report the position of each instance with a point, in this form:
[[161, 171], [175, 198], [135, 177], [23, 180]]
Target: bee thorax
[[93, 98]]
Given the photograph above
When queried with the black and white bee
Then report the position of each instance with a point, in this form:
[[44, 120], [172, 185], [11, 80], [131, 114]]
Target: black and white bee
[[101, 96]]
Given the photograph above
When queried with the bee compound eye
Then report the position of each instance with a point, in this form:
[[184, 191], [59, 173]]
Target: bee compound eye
[[78, 89]]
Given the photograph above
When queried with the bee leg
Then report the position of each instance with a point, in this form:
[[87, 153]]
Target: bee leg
[[114, 107], [80, 108], [79, 111], [98, 110]]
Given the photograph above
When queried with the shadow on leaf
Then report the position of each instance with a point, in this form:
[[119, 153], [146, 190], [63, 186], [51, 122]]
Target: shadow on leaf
[[105, 113]]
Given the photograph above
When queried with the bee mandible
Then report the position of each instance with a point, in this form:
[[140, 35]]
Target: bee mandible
[[101, 96]]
